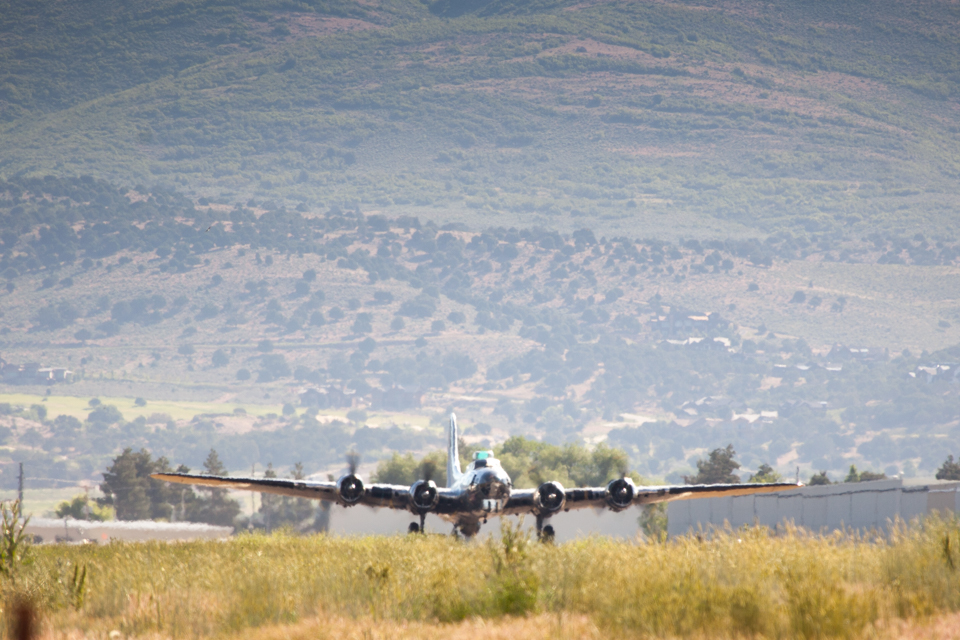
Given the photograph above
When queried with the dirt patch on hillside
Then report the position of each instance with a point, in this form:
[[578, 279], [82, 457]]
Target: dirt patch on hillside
[[654, 152], [595, 49], [307, 25]]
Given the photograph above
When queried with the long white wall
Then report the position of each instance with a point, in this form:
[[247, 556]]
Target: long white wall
[[70, 530], [863, 506]]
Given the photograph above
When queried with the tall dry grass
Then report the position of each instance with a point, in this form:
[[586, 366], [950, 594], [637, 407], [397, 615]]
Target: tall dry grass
[[733, 583]]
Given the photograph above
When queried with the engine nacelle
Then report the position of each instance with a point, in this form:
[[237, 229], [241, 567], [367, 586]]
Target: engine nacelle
[[620, 494], [350, 489], [424, 496], [549, 498]]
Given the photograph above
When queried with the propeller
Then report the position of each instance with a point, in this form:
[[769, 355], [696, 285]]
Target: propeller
[[424, 491], [427, 469], [350, 486], [353, 461]]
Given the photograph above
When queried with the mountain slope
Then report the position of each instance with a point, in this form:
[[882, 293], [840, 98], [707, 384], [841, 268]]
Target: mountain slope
[[740, 118], [524, 330]]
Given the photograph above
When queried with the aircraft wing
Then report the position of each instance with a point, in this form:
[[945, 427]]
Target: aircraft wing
[[522, 500], [377, 495]]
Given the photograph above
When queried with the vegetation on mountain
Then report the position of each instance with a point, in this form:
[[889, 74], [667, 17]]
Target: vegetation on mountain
[[821, 119], [575, 318], [485, 200]]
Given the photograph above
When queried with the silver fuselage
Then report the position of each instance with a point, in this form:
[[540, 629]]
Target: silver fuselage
[[483, 489]]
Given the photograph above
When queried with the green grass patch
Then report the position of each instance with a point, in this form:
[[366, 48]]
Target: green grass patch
[[79, 407]]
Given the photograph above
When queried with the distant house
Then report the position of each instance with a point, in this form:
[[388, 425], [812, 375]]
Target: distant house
[[864, 354], [704, 344], [33, 373], [678, 322], [62, 375], [943, 372]]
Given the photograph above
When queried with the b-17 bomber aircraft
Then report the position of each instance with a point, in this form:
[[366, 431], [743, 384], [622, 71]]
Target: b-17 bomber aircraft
[[472, 496]]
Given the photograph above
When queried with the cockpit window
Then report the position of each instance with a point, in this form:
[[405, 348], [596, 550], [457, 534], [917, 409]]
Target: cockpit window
[[480, 462], [482, 455]]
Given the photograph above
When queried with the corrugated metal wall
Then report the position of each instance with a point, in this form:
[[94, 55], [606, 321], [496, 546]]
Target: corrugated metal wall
[[864, 506]]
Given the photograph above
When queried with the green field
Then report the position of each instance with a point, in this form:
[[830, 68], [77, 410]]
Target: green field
[[79, 407]]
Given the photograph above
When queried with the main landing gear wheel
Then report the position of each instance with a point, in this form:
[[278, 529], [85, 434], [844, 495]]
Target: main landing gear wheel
[[544, 533], [418, 528]]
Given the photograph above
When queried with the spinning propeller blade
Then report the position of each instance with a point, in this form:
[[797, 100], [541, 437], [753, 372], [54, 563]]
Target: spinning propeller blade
[[428, 469], [353, 461]]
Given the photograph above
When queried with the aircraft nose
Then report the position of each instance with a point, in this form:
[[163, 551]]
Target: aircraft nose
[[492, 486]]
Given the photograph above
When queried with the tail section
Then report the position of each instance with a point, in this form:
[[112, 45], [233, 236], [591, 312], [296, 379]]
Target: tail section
[[453, 454]]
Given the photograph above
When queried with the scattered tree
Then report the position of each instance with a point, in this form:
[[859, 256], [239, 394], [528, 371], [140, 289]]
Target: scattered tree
[[129, 489], [363, 323], [863, 476], [104, 415], [819, 479], [717, 469], [213, 506], [949, 471], [653, 521], [220, 358], [80, 509], [765, 475], [405, 469]]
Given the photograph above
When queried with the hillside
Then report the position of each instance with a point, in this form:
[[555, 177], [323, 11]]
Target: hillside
[[520, 330], [700, 119], [668, 226]]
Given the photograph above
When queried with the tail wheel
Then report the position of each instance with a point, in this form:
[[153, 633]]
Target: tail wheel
[[413, 528]]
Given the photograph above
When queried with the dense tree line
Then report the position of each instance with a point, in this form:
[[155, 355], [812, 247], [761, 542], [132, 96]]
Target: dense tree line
[[133, 495], [528, 461]]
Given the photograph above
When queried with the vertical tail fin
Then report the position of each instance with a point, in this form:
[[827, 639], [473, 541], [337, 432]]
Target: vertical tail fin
[[453, 454]]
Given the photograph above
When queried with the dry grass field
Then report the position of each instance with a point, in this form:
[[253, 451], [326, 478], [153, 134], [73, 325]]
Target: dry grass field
[[744, 583], [531, 627]]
